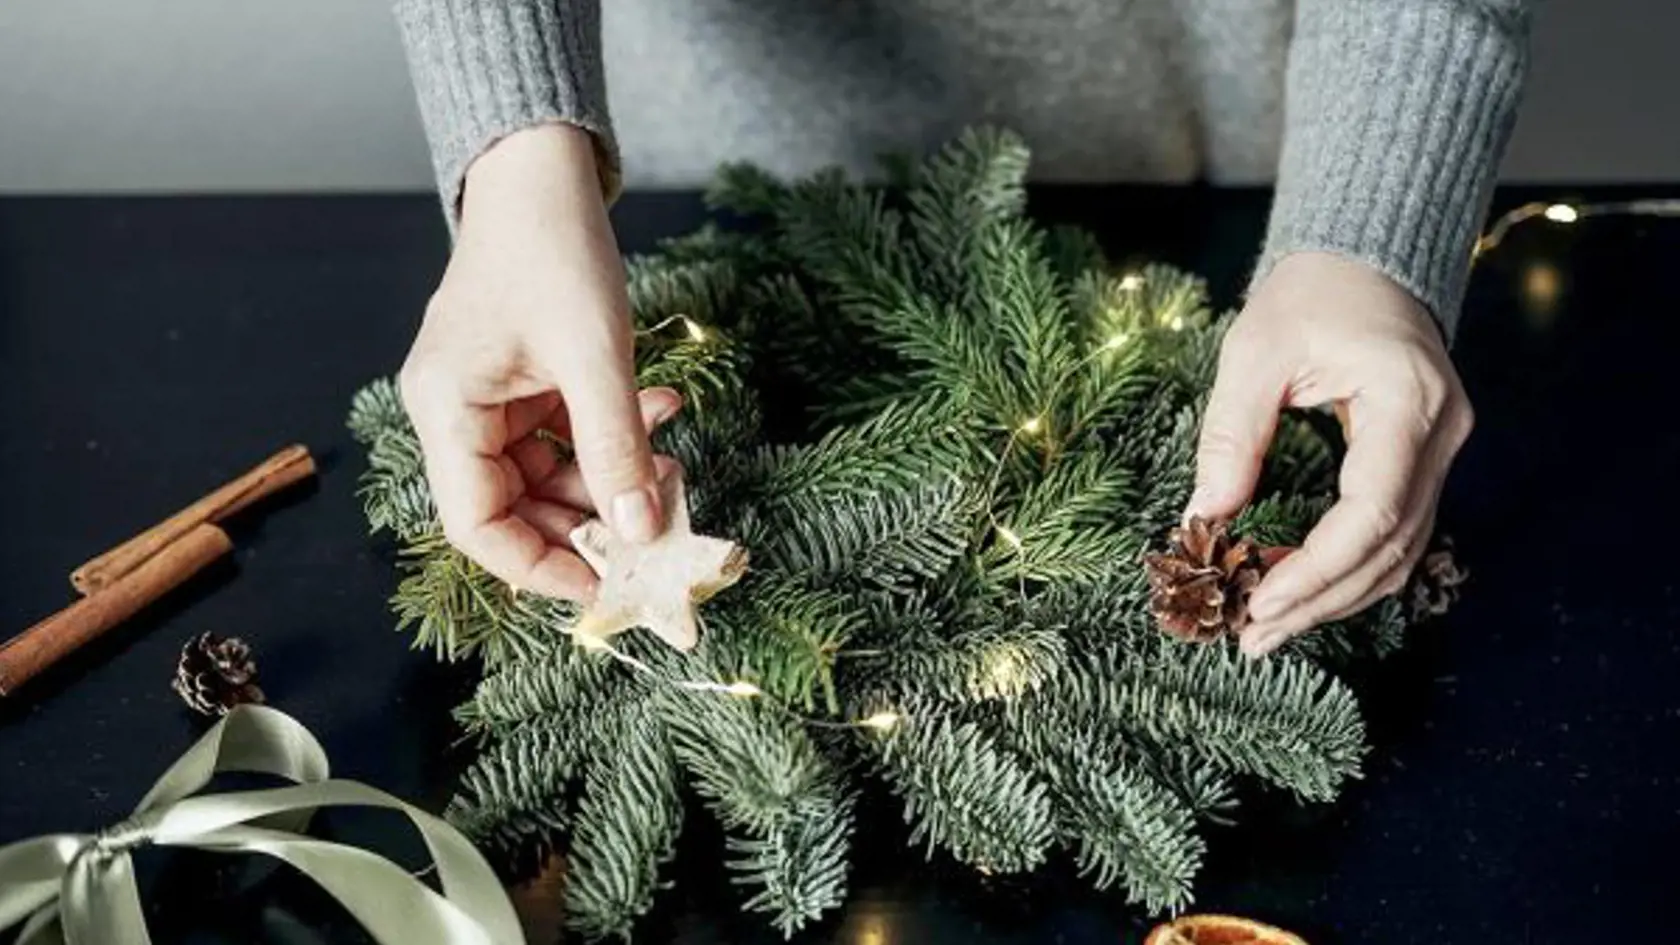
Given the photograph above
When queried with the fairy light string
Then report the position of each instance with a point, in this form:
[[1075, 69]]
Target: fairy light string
[[1565, 214], [1036, 425]]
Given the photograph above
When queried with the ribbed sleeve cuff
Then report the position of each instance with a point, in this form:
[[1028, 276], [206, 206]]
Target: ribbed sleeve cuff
[[1397, 115], [484, 69]]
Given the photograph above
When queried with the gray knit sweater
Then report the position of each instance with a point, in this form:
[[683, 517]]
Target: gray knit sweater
[[1382, 121]]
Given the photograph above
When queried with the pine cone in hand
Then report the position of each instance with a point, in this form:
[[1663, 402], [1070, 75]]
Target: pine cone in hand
[[1436, 582], [214, 674], [1200, 587]]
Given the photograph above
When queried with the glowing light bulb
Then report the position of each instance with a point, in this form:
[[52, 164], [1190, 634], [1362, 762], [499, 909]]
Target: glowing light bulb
[[744, 689], [1032, 425], [880, 721], [1177, 324], [1117, 340], [1562, 213], [695, 332], [1013, 539], [1005, 676], [1131, 282]]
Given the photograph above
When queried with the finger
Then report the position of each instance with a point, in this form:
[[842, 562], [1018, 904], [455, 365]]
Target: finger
[[528, 414], [566, 486], [1350, 597], [608, 436], [1443, 448], [1242, 412], [515, 551], [1385, 448], [657, 405], [471, 480], [553, 521], [537, 456]]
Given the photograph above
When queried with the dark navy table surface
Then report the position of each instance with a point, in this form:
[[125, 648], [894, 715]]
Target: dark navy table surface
[[1525, 780]]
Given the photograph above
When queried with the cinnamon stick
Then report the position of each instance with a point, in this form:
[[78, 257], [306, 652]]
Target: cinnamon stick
[[27, 654], [290, 465]]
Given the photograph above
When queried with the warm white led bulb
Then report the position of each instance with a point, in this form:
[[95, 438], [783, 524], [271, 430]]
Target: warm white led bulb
[[1562, 213], [1131, 282], [695, 332], [880, 721]]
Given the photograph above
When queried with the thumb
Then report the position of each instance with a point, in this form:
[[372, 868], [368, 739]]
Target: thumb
[[1242, 413], [610, 443]]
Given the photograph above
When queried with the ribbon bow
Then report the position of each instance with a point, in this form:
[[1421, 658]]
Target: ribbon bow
[[79, 889]]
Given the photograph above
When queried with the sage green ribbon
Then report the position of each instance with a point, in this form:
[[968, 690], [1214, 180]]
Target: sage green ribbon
[[79, 889]]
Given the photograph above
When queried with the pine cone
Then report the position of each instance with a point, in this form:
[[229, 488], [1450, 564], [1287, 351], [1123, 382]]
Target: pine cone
[[1201, 586], [1436, 581], [214, 674]]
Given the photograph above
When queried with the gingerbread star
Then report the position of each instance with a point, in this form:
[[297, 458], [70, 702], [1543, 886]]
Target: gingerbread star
[[658, 584]]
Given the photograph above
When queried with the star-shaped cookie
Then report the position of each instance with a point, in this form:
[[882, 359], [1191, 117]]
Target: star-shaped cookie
[[658, 584]]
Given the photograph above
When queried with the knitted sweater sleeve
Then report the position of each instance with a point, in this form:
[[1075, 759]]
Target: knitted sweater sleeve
[[1397, 113], [484, 69]]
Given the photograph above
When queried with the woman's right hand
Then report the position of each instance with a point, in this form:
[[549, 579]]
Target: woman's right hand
[[530, 331]]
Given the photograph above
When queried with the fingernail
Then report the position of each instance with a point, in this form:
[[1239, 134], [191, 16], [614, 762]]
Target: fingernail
[[667, 406], [1198, 499], [1257, 644], [635, 514]]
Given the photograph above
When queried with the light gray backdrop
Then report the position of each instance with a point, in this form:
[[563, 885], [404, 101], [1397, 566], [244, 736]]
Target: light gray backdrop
[[173, 95]]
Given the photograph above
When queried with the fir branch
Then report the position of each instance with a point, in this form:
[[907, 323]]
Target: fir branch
[[848, 238], [1202, 787], [626, 826], [784, 805], [1074, 253], [1125, 826], [1374, 634], [960, 193], [783, 634], [889, 538], [1280, 521], [515, 794], [1279, 719], [1018, 298], [903, 446], [799, 865], [377, 411], [1301, 461], [394, 491], [964, 792], [568, 680], [660, 287], [746, 190], [996, 660], [457, 609], [1168, 455], [1064, 525]]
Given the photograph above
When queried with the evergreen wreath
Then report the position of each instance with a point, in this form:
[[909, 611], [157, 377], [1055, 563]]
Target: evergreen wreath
[[948, 437]]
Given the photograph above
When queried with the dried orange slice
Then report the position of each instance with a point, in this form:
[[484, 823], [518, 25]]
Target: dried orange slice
[[1220, 930]]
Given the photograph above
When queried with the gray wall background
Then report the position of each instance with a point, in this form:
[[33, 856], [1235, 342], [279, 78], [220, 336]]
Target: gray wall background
[[235, 95]]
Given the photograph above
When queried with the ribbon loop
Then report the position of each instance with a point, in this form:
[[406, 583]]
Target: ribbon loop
[[80, 889]]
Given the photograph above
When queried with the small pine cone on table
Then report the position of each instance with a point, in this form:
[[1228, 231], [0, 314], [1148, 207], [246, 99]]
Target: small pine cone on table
[[216, 674], [1435, 584], [1199, 588]]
